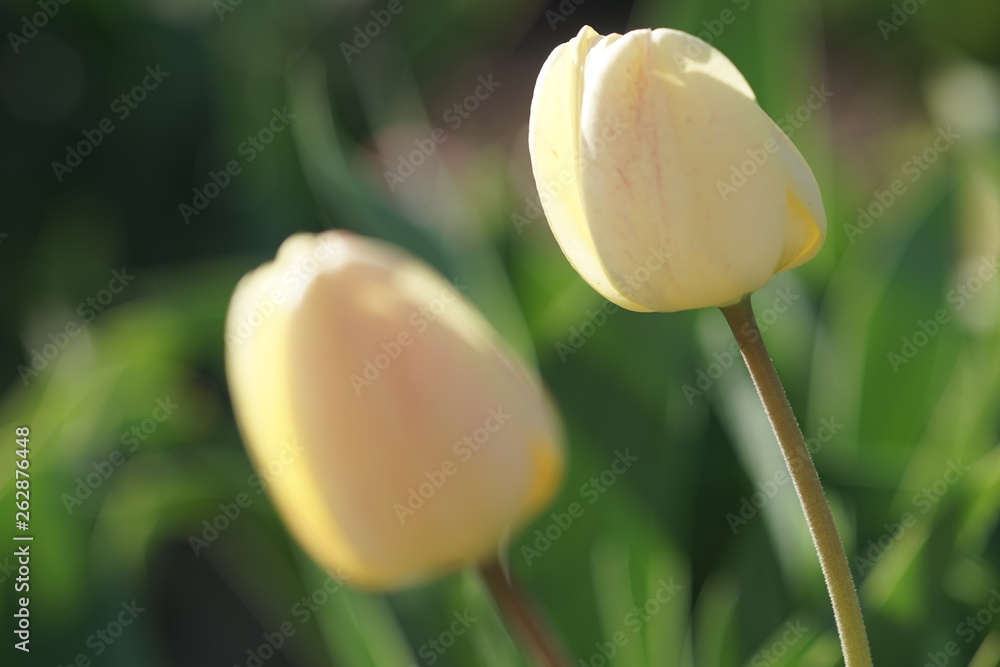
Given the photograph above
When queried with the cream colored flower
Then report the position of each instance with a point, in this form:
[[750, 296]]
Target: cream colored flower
[[664, 182], [398, 434]]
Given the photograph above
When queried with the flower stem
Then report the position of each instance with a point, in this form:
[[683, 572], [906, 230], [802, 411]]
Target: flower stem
[[832, 557], [521, 618]]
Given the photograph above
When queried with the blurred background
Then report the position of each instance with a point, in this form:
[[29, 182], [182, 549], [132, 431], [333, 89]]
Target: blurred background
[[154, 151]]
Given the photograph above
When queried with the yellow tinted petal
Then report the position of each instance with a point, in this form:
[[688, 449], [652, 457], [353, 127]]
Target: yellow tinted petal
[[806, 228], [419, 430]]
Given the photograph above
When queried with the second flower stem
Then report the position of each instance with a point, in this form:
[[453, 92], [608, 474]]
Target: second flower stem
[[521, 618], [832, 557]]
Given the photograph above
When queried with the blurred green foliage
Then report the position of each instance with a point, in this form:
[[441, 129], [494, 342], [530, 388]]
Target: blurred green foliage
[[898, 73]]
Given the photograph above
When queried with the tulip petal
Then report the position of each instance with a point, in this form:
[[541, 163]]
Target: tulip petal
[[806, 228], [554, 143], [260, 385], [691, 121]]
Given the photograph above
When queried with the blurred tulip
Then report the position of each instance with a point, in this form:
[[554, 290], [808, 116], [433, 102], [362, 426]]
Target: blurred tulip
[[398, 435], [664, 182]]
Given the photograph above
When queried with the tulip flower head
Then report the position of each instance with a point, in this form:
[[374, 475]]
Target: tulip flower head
[[664, 182], [398, 434]]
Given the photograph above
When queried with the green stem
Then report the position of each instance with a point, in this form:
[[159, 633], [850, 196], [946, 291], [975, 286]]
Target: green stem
[[521, 617], [832, 557]]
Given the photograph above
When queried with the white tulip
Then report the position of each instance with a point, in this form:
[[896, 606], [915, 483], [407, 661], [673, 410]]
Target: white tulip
[[398, 434], [664, 182]]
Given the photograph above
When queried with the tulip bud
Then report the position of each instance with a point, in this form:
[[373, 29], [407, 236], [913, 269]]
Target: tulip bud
[[398, 435], [664, 182]]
